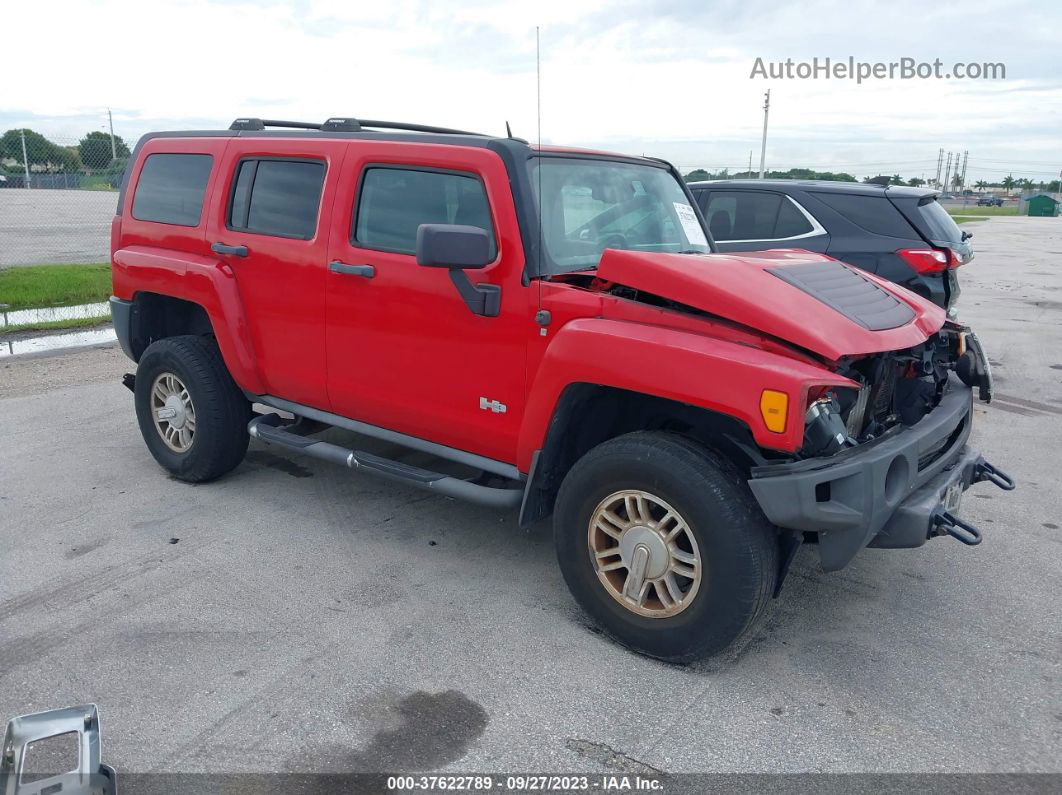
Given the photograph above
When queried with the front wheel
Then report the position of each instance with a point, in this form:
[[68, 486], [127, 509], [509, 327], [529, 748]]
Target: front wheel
[[661, 542], [192, 415]]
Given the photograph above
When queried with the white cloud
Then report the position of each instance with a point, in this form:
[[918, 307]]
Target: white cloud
[[669, 77]]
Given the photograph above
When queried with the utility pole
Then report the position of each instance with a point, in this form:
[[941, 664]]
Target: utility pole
[[947, 171], [940, 162], [763, 147], [965, 158], [750, 164], [25, 160], [110, 121]]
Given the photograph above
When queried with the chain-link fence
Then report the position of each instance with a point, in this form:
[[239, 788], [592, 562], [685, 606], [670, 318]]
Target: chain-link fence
[[58, 196]]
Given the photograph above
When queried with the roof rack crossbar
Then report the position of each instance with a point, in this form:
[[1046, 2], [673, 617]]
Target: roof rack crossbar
[[346, 124]]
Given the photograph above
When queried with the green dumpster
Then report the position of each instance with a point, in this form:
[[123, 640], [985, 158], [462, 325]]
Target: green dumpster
[[1043, 205]]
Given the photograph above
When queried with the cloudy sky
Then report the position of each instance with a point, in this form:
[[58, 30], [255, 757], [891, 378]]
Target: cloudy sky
[[664, 77]]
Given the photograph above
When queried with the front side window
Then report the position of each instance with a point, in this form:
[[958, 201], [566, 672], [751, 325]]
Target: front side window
[[171, 188], [277, 197], [588, 206], [394, 202]]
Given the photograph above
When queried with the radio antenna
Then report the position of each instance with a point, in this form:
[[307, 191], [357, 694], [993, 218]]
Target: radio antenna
[[538, 122], [538, 85]]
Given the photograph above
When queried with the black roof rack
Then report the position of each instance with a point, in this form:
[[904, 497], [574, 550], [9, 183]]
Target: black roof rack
[[344, 124]]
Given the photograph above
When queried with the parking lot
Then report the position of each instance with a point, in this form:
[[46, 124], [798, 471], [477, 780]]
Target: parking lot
[[296, 617], [48, 226]]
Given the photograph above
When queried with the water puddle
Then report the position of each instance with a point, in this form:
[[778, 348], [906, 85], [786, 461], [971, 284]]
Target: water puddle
[[53, 342], [50, 314]]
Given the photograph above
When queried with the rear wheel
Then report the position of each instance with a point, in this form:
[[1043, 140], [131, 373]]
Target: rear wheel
[[191, 414], [661, 542]]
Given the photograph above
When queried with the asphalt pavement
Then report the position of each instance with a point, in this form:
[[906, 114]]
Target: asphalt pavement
[[42, 226], [295, 617]]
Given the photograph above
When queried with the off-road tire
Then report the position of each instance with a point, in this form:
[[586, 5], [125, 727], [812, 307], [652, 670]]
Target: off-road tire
[[738, 546], [221, 410]]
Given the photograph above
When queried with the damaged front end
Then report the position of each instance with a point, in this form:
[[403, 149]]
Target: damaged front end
[[897, 388], [885, 464]]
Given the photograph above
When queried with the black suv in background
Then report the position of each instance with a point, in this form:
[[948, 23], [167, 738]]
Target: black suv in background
[[902, 234]]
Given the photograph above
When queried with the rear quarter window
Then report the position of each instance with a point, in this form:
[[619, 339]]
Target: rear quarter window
[[171, 188], [875, 214]]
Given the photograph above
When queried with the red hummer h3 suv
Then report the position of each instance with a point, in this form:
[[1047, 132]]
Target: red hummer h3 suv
[[552, 328]]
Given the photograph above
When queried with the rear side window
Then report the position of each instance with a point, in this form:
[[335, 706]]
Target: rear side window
[[171, 189], [754, 215], [281, 198], [875, 214], [393, 202]]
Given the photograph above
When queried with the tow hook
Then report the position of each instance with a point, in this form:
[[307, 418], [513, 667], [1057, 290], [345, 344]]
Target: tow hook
[[944, 522], [985, 471]]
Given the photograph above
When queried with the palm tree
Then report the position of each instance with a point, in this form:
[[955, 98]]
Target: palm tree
[[1008, 183], [980, 184]]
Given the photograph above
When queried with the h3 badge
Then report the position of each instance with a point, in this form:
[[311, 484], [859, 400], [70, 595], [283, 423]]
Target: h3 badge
[[492, 405]]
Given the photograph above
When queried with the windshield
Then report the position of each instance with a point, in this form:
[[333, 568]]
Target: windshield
[[588, 206]]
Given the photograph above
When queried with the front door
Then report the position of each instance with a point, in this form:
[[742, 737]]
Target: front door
[[405, 352]]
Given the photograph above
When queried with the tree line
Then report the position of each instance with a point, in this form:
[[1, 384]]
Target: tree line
[[1007, 184], [92, 153]]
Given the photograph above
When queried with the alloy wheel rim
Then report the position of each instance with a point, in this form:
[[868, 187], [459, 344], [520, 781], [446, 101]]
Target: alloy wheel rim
[[173, 412], [644, 554]]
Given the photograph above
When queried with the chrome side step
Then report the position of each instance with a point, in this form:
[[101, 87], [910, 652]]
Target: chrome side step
[[269, 429], [415, 443]]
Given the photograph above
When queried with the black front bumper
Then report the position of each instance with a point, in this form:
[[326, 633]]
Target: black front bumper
[[886, 493]]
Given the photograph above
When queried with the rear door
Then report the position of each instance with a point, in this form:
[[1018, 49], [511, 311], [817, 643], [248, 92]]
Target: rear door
[[269, 217], [757, 220]]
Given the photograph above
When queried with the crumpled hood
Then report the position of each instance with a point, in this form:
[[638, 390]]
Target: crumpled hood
[[806, 299]]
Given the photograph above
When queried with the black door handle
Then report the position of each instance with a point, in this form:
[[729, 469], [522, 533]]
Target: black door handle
[[236, 251], [365, 271]]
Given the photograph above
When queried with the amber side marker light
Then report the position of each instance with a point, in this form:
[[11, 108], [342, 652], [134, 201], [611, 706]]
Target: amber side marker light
[[774, 407]]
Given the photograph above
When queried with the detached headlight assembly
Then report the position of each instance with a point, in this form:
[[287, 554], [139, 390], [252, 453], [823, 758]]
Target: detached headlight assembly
[[825, 431]]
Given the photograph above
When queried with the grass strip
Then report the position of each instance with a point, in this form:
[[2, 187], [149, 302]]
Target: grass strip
[[35, 286], [78, 322], [973, 209]]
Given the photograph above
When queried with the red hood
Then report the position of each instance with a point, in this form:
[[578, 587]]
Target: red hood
[[754, 290]]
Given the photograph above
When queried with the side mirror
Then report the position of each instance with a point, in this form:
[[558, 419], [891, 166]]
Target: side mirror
[[55, 751], [453, 246]]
